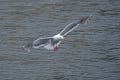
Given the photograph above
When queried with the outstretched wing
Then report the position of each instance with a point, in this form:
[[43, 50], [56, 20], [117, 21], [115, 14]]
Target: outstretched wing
[[48, 43], [72, 26], [41, 42]]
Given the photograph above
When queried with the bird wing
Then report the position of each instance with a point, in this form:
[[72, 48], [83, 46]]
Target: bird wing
[[58, 43], [48, 43], [73, 26], [41, 42]]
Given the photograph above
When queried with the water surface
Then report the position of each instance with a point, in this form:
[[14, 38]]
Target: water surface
[[91, 52]]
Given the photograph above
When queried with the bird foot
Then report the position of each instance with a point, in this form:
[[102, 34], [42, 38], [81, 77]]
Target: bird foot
[[55, 48]]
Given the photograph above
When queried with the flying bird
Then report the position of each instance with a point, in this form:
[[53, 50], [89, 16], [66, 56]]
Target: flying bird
[[52, 43]]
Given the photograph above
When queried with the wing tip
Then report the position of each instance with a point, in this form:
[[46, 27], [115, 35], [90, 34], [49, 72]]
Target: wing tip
[[27, 47], [85, 19]]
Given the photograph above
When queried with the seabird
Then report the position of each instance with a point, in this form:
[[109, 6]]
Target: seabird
[[52, 43]]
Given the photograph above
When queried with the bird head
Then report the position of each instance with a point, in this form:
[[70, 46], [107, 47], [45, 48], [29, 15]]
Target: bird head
[[58, 36]]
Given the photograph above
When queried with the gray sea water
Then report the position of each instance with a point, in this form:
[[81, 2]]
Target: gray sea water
[[91, 52]]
